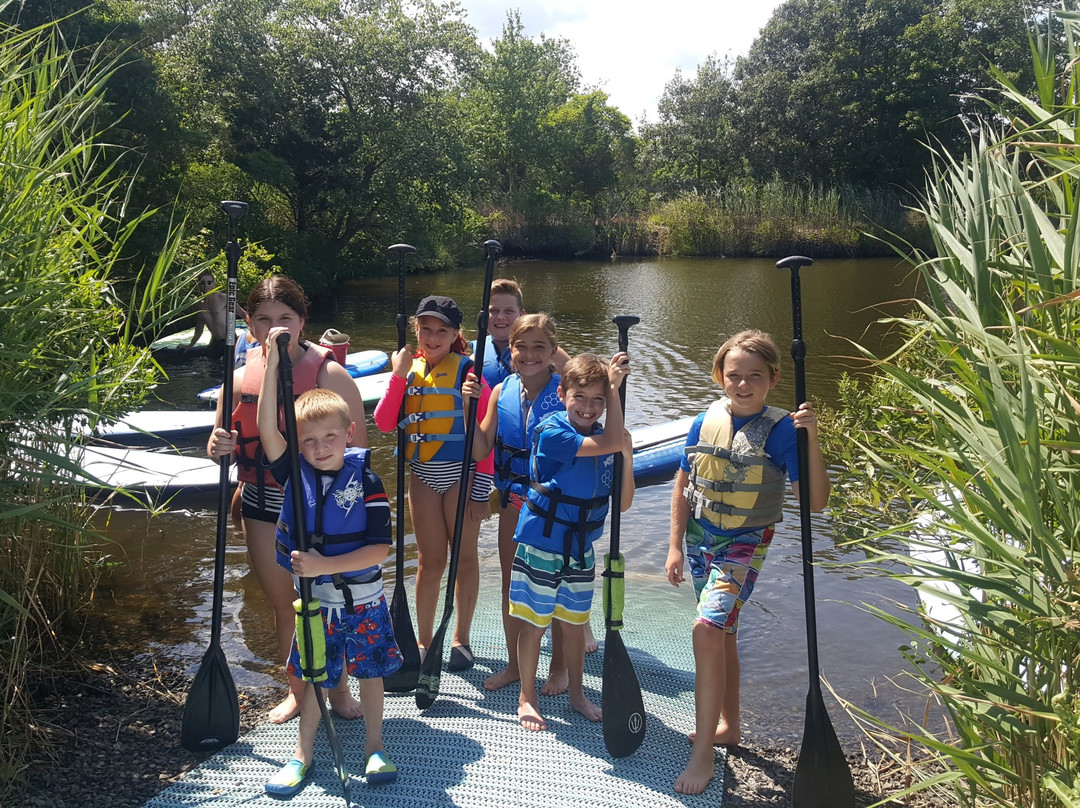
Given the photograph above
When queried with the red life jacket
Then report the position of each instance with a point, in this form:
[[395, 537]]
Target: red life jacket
[[249, 455]]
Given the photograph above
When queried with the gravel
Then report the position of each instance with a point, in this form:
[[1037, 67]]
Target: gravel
[[113, 733]]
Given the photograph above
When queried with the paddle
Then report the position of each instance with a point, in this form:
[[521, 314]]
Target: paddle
[[212, 710], [405, 678], [427, 688], [310, 634], [822, 775], [624, 711]]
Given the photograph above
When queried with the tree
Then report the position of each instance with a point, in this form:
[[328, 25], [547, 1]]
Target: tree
[[690, 146], [589, 141]]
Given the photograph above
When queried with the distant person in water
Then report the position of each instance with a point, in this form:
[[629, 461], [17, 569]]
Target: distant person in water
[[212, 315], [278, 301], [728, 494]]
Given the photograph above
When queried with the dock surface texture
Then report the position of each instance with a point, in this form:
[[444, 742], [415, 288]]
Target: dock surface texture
[[468, 750]]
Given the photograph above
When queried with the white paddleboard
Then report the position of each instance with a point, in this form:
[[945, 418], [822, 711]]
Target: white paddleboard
[[361, 365], [148, 426], [181, 338], [142, 470]]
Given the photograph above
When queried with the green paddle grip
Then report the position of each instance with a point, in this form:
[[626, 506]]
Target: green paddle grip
[[310, 629], [614, 590]]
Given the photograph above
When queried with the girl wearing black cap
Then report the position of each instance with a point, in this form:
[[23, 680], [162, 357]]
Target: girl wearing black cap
[[429, 382]]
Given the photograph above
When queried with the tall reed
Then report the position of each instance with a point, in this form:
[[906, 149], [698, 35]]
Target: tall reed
[[982, 439], [67, 355]]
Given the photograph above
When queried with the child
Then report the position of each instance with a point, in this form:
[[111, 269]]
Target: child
[[211, 314], [738, 440], [505, 305], [517, 405], [278, 301], [564, 513], [430, 385], [348, 546]]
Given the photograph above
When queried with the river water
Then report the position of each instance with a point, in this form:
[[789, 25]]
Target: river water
[[161, 598]]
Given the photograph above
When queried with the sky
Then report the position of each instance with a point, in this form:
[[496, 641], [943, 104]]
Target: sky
[[632, 48]]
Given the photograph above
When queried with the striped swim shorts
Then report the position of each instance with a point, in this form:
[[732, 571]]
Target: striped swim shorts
[[540, 589]]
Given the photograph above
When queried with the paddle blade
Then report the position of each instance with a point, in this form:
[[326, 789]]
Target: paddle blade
[[822, 775], [427, 687], [404, 678], [212, 710], [624, 711]]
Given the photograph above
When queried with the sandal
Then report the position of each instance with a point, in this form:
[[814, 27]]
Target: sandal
[[379, 769], [461, 658], [289, 780]]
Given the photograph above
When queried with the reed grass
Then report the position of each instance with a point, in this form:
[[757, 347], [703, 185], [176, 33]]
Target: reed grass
[[976, 429], [67, 351]]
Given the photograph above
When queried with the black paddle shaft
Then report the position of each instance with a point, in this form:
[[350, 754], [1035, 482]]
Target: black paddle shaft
[[623, 322], [822, 774], [405, 677], [300, 537], [798, 356]]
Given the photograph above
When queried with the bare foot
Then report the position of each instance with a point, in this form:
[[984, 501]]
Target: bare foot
[[345, 705], [695, 777], [557, 682], [530, 718], [288, 709], [501, 679], [590, 641], [724, 736], [586, 708]]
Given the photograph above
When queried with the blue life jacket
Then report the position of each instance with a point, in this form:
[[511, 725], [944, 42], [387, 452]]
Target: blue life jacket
[[553, 519], [497, 364], [336, 524], [512, 442]]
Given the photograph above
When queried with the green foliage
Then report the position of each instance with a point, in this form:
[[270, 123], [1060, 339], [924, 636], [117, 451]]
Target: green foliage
[[69, 322], [987, 449]]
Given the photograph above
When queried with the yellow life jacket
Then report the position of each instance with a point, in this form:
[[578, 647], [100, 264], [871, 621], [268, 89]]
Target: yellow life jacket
[[434, 417], [733, 483]]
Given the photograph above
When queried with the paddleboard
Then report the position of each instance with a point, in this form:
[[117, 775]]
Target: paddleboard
[[152, 426], [142, 470], [173, 347], [938, 598], [359, 365]]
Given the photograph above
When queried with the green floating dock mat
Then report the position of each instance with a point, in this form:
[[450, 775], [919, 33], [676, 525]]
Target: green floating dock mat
[[468, 750]]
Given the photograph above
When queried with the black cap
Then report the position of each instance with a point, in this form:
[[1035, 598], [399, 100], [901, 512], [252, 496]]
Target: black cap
[[442, 307]]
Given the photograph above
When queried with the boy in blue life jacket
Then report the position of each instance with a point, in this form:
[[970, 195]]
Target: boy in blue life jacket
[[347, 516], [565, 507], [729, 492]]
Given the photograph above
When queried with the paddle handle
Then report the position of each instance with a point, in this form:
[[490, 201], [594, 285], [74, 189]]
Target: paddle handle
[[623, 322]]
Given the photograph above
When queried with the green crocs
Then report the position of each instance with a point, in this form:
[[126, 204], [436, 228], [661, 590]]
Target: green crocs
[[380, 769], [289, 780]]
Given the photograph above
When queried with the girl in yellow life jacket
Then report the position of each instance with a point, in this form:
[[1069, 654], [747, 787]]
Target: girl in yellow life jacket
[[727, 496], [278, 301], [429, 383]]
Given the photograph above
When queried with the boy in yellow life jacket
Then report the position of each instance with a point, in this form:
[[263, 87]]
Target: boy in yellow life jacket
[[728, 494]]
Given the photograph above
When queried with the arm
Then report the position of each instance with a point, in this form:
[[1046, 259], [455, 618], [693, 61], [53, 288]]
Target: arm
[[627, 471], [273, 442], [611, 440], [333, 376], [200, 317], [389, 407], [820, 484], [680, 515], [488, 423], [222, 441], [561, 358]]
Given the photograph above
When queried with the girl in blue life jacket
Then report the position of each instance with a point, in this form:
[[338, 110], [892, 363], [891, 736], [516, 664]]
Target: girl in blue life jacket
[[517, 405], [728, 494], [278, 301], [429, 383]]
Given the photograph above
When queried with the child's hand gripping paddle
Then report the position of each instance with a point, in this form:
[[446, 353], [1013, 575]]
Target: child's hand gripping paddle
[[310, 634], [822, 774], [623, 708], [212, 710], [405, 678], [427, 689]]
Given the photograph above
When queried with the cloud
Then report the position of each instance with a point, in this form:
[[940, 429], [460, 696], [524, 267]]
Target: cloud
[[632, 48]]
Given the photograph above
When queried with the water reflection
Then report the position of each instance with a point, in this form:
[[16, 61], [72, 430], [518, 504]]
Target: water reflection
[[687, 307]]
